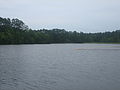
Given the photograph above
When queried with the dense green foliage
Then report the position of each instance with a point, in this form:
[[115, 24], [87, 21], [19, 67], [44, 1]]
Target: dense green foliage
[[16, 32]]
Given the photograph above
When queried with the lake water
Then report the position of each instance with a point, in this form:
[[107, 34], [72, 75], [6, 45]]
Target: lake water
[[60, 67]]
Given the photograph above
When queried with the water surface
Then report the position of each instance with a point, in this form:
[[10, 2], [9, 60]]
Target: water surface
[[60, 67]]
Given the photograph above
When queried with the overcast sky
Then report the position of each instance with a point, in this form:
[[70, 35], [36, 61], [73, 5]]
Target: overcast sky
[[79, 15]]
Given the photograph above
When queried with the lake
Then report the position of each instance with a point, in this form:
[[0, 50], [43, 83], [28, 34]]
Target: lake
[[60, 67]]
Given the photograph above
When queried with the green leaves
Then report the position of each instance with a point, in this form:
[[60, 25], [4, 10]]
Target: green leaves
[[16, 32]]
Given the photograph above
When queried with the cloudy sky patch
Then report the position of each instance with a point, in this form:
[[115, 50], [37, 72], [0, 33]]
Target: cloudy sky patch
[[79, 15]]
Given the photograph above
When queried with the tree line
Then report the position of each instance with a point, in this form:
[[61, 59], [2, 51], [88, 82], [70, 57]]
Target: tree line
[[15, 31]]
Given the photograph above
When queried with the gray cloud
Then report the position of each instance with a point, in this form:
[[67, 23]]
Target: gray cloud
[[80, 15]]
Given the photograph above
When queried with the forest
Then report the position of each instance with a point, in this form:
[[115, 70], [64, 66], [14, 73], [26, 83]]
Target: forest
[[15, 31]]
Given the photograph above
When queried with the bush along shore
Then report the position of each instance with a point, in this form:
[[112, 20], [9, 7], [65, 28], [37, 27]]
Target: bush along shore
[[14, 31]]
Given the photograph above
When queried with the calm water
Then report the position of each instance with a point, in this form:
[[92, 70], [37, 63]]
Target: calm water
[[60, 67]]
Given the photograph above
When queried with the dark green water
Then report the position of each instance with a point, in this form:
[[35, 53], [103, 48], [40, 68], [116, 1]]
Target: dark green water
[[60, 67]]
